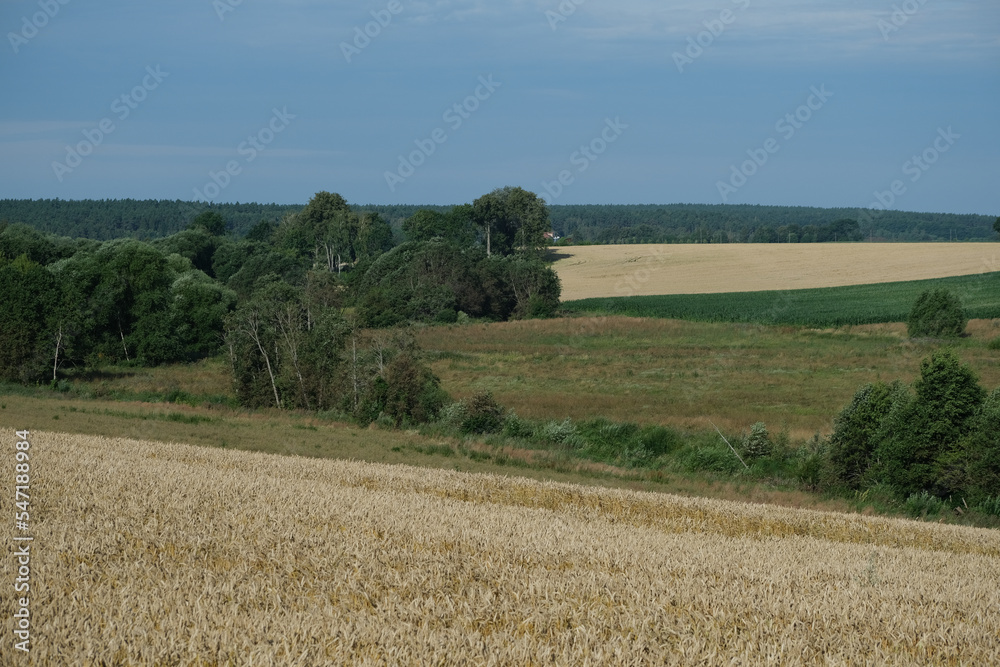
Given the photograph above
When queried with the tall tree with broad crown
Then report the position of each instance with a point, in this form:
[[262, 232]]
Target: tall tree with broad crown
[[511, 220]]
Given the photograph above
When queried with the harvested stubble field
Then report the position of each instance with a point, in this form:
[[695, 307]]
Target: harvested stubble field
[[644, 270], [152, 553]]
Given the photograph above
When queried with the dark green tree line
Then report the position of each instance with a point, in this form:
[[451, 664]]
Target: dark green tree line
[[672, 223], [275, 301]]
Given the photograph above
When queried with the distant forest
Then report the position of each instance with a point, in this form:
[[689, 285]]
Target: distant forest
[[674, 223]]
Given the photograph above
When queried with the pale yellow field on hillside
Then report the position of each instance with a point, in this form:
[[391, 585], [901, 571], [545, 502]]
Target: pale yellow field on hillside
[[147, 553], [635, 270]]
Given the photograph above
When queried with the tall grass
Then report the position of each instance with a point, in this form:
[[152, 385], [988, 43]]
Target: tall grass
[[682, 374]]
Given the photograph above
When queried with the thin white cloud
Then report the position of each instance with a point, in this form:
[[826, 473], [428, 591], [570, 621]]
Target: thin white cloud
[[163, 151], [17, 128], [812, 29], [808, 30], [48, 148]]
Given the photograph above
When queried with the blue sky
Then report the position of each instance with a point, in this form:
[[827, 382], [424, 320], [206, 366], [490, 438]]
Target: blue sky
[[786, 102]]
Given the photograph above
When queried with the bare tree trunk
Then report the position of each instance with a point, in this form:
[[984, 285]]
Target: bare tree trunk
[[55, 361], [122, 334], [331, 257], [379, 344], [316, 259], [287, 325], [253, 330]]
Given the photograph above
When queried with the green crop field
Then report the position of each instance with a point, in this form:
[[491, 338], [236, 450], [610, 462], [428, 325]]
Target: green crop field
[[823, 307]]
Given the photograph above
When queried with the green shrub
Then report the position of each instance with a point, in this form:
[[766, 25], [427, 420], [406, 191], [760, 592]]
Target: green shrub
[[452, 414], [994, 344], [446, 316], [711, 459], [633, 456], [385, 421], [560, 433], [515, 427], [980, 451], [923, 505], [810, 464], [659, 440], [482, 414], [605, 439], [989, 505], [372, 404], [920, 434], [948, 392], [30, 293], [61, 386], [382, 307], [937, 313], [854, 431], [808, 470], [542, 305], [757, 443], [407, 392]]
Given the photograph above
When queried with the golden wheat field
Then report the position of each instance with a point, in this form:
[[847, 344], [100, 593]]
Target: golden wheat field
[[162, 554], [635, 270]]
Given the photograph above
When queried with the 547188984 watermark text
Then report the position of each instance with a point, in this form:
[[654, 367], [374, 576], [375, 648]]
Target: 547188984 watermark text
[[22, 542]]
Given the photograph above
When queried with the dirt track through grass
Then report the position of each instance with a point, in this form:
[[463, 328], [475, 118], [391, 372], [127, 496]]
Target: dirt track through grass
[[152, 553], [634, 270]]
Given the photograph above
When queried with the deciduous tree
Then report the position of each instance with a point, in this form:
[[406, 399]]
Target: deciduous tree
[[511, 219], [921, 432], [856, 428], [937, 313], [29, 295], [324, 231], [211, 222]]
